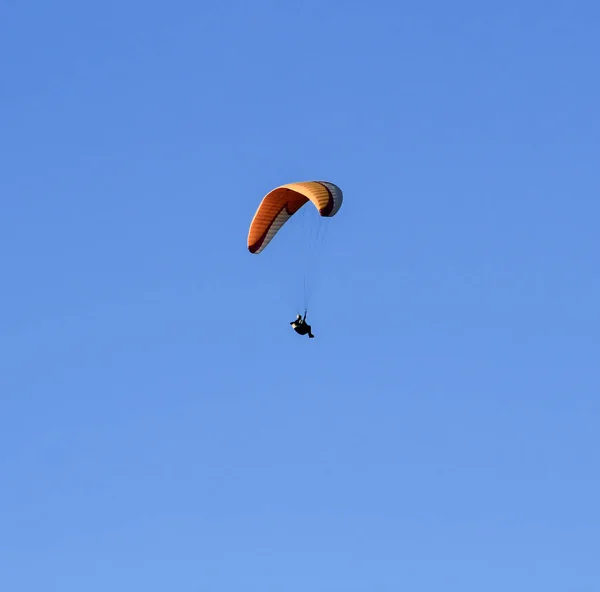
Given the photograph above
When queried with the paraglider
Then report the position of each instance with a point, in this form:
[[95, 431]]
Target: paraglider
[[281, 204], [301, 326]]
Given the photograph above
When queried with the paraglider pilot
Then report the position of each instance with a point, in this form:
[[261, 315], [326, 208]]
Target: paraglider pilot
[[301, 326]]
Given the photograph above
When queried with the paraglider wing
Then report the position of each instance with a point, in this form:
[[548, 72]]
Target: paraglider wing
[[280, 204]]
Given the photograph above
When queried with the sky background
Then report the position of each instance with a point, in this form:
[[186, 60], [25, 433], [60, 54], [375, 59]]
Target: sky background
[[163, 428]]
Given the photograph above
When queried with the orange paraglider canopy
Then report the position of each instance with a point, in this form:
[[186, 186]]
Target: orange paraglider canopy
[[280, 204]]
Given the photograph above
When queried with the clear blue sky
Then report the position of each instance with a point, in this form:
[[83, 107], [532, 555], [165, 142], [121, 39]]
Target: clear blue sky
[[163, 428]]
